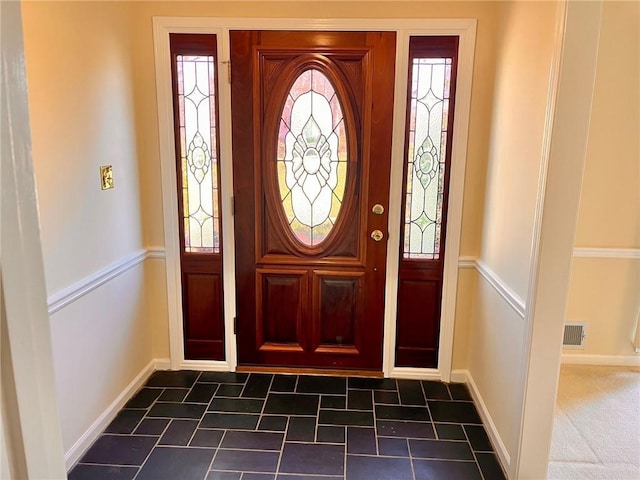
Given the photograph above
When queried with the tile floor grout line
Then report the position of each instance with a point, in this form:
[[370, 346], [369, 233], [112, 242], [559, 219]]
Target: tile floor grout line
[[285, 433], [264, 404], [375, 424], [206, 410], [413, 469], [426, 401], [475, 458], [215, 454], [148, 455], [317, 422]]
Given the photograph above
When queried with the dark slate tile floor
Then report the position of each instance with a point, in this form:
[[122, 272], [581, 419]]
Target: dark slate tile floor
[[236, 426]]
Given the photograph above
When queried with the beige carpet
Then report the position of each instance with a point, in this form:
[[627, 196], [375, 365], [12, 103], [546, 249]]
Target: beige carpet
[[597, 424]]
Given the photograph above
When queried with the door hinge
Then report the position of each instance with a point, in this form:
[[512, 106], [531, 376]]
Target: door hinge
[[235, 325], [228, 64], [233, 205]]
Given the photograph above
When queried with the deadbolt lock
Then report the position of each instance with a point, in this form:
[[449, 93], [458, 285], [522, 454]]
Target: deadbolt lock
[[377, 235], [377, 209]]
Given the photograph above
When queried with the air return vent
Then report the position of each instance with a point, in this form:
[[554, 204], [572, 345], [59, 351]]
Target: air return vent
[[574, 334]]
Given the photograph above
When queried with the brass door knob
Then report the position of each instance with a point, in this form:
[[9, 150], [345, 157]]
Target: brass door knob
[[377, 235], [377, 209]]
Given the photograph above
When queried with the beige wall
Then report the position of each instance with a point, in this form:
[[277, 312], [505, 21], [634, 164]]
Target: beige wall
[[519, 106], [80, 79], [604, 292], [525, 46], [465, 310], [82, 116], [610, 201]]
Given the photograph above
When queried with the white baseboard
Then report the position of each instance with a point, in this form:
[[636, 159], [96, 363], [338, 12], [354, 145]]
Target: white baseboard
[[459, 376], [78, 449], [413, 373], [205, 365], [464, 376], [162, 364], [606, 360]]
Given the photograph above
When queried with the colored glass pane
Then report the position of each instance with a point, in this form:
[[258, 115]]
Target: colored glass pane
[[426, 150], [198, 150], [312, 157]]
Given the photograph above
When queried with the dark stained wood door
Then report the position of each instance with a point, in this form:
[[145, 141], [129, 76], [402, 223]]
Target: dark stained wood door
[[312, 122]]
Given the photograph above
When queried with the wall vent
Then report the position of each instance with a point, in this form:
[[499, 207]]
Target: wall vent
[[574, 335]]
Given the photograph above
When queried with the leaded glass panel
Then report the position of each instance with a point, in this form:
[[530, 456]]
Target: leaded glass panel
[[198, 152], [312, 157], [428, 118]]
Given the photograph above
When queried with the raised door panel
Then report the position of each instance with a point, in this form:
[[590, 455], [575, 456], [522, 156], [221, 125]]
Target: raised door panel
[[282, 300], [418, 326], [203, 327], [337, 311]]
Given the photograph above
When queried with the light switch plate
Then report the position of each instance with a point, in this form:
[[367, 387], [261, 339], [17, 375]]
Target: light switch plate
[[106, 177]]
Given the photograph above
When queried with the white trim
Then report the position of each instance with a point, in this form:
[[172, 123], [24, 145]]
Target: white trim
[[206, 366], [169, 200], [413, 373], [465, 263], [460, 376], [588, 252], [569, 102], [162, 364], [466, 54], [156, 253], [464, 376], [608, 360], [464, 28], [502, 288], [68, 295], [91, 434], [32, 417]]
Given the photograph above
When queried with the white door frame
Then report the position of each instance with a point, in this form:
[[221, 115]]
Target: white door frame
[[465, 29], [31, 435]]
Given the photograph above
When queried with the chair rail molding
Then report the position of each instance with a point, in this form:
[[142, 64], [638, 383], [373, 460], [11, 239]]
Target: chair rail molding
[[606, 252], [70, 294]]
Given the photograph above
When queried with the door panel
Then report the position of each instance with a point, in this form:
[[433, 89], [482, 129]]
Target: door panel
[[203, 314], [337, 311], [281, 306], [312, 115], [419, 311]]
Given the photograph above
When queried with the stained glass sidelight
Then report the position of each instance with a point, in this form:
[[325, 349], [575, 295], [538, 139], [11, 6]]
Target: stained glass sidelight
[[312, 157], [199, 162], [428, 118]]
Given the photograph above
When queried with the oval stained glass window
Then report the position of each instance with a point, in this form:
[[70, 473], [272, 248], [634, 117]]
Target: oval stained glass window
[[312, 157]]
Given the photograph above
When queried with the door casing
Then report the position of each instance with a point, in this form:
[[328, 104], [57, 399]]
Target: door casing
[[465, 29]]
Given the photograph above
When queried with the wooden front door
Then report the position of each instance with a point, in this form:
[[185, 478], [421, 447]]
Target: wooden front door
[[312, 122]]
